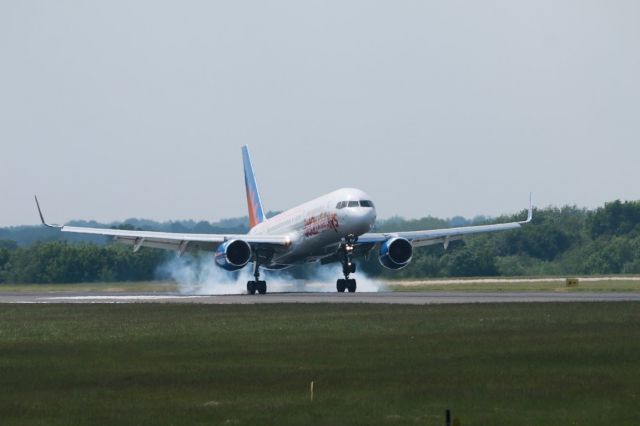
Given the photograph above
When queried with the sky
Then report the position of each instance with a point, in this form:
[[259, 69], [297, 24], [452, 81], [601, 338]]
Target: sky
[[118, 109]]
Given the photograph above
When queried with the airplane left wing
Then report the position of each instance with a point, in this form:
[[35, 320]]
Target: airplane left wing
[[177, 241], [180, 242], [442, 236]]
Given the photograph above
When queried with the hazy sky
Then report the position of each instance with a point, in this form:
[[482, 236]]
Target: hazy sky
[[118, 109]]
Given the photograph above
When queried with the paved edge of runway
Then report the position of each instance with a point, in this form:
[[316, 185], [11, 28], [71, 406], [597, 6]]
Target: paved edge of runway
[[404, 298]]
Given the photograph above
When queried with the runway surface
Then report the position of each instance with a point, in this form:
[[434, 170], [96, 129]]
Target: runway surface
[[422, 298]]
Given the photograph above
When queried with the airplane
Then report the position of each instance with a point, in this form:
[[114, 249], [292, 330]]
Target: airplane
[[332, 228]]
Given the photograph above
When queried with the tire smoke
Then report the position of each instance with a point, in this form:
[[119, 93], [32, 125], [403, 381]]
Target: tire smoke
[[199, 275]]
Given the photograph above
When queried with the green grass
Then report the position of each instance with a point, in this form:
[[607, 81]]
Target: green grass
[[508, 286], [600, 285], [524, 364]]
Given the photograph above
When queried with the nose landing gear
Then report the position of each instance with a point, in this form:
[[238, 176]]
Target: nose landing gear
[[348, 267]]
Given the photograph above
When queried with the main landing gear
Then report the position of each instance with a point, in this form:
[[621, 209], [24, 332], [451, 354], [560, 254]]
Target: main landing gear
[[256, 285], [348, 267]]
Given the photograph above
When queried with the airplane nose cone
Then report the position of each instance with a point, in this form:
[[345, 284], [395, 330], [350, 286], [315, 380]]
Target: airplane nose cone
[[366, 217]]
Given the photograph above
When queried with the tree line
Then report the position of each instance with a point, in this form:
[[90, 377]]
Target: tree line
[[64, 262], [559, 241]]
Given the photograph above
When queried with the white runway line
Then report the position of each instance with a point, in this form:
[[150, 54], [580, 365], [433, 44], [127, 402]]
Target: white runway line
[[149, 297]]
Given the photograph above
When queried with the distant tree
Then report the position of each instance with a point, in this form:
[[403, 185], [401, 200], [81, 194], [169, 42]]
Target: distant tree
[[398, 224], [8, 244], [60, 262], [126, 227], [615, 218], [468, 263], [5, 256]]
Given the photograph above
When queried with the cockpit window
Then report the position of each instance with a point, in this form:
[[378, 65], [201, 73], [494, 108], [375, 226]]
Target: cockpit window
[[361, 203]]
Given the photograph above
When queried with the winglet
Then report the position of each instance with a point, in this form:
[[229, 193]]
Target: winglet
[[530, 213], [42, 217]]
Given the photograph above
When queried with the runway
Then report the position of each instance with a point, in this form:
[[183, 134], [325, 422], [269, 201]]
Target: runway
[[402, 298]]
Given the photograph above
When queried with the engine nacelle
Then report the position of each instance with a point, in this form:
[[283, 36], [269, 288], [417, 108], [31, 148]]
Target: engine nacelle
[[233, 255], [396, 253]]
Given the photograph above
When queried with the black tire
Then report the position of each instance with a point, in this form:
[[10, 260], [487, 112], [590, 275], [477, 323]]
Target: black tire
[[251, 287], [341, 285], [262, 287], [351, 285]]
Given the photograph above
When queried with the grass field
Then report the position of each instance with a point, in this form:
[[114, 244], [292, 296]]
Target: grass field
[[524, 364], [614, 284], [590, 284], [530, 285]]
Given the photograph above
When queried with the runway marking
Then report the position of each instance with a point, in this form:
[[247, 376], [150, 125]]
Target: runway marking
[[137, 297]]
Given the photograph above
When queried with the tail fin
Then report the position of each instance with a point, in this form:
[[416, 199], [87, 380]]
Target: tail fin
[[256, 215]]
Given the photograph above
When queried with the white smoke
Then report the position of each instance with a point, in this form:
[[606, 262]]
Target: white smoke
[[200, 275]]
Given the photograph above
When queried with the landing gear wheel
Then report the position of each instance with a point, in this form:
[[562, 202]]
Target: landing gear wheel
[[348, 267], [256, 285]]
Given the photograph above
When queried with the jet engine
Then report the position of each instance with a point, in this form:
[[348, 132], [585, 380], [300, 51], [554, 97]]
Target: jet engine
[[233, 255], [396, 253]]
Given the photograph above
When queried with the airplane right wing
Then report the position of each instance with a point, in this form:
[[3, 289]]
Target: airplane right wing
[[441, 236]]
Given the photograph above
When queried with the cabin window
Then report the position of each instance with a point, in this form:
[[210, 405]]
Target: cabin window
[[353, 204], [366, 203]]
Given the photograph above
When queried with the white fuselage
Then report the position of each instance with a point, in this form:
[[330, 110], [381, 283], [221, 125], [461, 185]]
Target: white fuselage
[[317, 228]]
